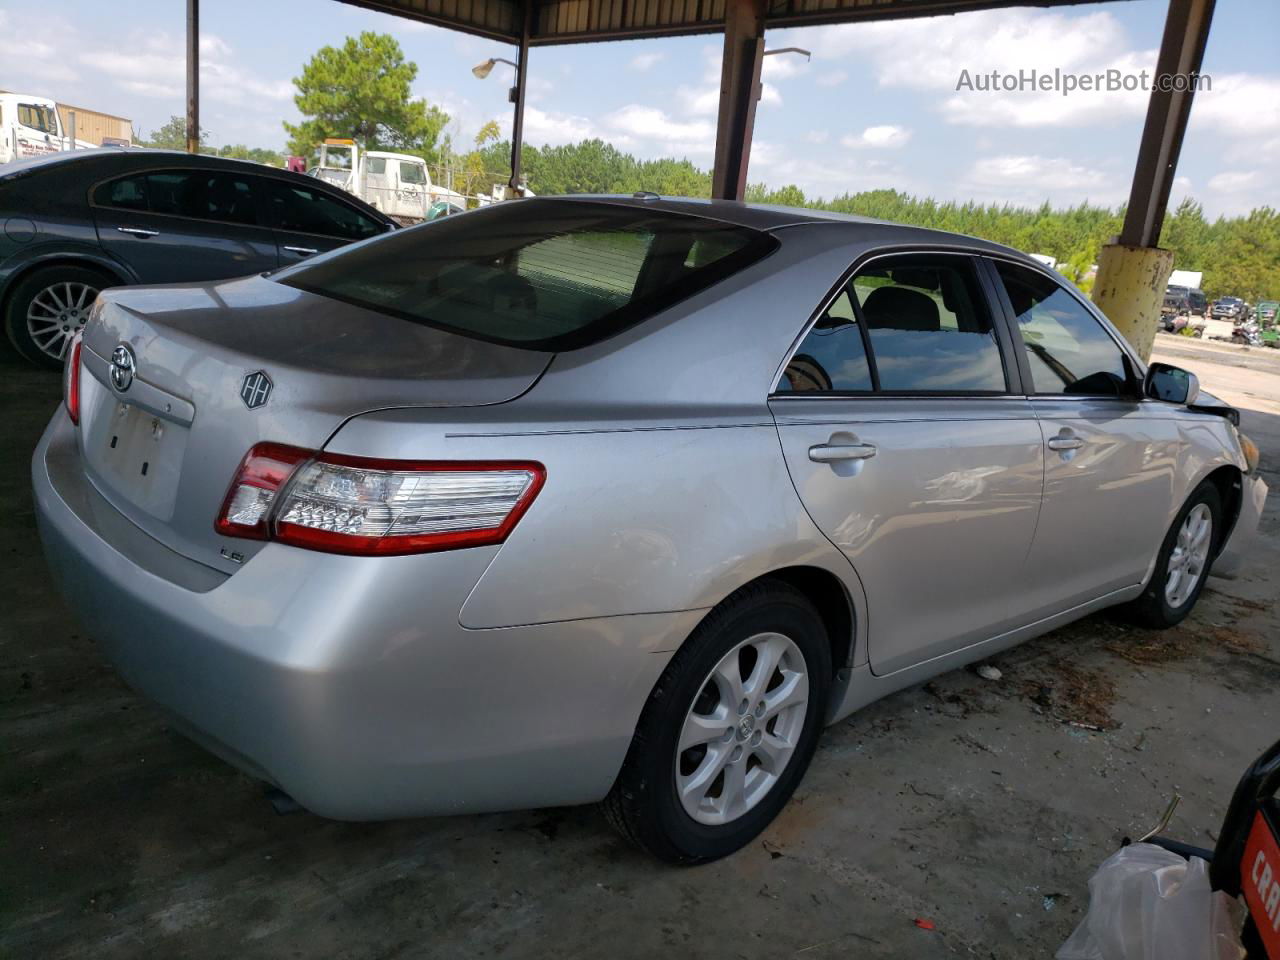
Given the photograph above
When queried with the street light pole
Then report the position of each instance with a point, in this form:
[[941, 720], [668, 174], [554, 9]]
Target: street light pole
[[517, 97], [516, 94]]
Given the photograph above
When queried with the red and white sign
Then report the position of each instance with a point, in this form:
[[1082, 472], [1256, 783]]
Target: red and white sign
[[1260, 878]]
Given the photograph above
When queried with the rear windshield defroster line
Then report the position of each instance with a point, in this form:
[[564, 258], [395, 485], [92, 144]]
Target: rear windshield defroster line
[[542, 274]]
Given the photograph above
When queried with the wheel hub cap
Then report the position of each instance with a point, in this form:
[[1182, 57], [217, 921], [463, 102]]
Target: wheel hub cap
[[1188, 562], [57, 313], [742, 728]]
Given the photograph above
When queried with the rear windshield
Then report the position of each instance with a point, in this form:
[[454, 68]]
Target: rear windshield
[[542, 274]]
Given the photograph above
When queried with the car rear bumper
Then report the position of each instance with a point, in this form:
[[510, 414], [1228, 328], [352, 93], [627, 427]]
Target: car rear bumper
[[1231, 560], [348, 681]]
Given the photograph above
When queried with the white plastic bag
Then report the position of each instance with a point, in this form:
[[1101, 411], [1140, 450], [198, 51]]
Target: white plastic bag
[[1146, 903]]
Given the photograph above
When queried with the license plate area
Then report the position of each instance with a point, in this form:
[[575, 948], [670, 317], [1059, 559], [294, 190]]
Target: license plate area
[[1260, 881], [130, 451]]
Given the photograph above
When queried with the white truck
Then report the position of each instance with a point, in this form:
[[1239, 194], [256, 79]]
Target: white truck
[[30, 127], [398, 184]]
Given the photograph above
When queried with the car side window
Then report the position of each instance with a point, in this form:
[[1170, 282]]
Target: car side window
[[832, 356], [127, 193], [910, 324], [1067, 349], [305, 210], [929, 326], [202, 195]]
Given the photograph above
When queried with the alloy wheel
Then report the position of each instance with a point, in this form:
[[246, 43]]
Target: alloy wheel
[[1190, 555], [742, 728], [57, 313]]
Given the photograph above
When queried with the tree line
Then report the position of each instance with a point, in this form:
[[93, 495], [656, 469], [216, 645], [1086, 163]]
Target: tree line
[[362, 90]]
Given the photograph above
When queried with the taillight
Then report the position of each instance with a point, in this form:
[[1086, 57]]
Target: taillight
[[357, 505], [71, 380], [262, 473]]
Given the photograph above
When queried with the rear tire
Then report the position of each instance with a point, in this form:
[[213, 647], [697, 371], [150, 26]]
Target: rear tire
[[710, 798], [1182, 566], [47, 307]]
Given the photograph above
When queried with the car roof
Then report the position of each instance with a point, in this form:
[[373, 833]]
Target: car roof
[[122, 157], [771, 217]]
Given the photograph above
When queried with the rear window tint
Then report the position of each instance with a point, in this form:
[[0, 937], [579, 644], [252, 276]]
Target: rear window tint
[[543, 274]]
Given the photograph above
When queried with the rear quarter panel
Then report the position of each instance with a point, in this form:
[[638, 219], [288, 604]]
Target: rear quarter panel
[[644, 517]]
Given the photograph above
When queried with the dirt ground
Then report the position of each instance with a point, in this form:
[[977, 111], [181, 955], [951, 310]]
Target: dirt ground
[[980, 806]]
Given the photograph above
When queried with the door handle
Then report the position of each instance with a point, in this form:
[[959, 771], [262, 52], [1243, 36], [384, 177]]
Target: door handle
[[303, 251], [1065, 443], [139, 232], [833, 452]]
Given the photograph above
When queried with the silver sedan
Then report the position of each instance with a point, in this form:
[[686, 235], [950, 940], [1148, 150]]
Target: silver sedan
[[611, 499]]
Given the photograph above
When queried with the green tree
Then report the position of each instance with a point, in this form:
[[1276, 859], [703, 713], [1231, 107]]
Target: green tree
[[361, 90], [171, 136]]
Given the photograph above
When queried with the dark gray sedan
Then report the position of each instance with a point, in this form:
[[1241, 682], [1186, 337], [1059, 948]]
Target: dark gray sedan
[[75, 223]]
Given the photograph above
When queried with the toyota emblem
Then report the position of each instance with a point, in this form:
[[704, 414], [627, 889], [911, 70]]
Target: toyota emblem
[[123, 367]]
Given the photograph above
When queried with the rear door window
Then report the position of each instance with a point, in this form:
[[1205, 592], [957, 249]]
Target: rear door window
[[544, 274], [194, 194], [202, 195], [917, 324]]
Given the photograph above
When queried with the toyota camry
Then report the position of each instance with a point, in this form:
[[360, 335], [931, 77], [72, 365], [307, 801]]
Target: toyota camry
[[570, 500]]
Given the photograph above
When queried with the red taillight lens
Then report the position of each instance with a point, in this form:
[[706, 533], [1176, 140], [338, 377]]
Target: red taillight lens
[[262, 473], [357, 505], [71, 381]]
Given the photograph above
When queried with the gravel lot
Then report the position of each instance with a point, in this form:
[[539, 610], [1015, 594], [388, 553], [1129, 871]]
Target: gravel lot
[[981, 806]]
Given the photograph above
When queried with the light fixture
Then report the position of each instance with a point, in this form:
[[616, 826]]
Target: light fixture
[[767, 53], [482, 70]]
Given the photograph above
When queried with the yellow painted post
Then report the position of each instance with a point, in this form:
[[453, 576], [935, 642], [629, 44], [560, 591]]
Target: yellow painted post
[[1129, 289]]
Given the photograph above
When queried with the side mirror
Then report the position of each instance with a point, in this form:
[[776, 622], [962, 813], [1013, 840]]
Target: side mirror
[[1171, 384]]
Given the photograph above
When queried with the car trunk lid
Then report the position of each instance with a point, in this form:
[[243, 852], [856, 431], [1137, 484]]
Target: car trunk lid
[[218, 368]]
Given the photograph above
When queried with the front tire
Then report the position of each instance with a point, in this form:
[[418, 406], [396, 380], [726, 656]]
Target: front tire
[[48, 307], [1182, 566], [728, 730]]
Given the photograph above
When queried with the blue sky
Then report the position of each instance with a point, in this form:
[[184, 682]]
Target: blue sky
[[876, 107]]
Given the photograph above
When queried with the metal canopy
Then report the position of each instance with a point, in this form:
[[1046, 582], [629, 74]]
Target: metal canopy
[[576, 21]]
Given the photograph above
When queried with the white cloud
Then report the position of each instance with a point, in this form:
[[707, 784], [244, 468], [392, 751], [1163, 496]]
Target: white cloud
[[1236, 181], [817, 136], [883, 137], [916, 54], [643, 62], [1236, 192], [655, 127], [156, 67], [543, 127], [700, 101], [1029, 179], [1239, 103], [30, 62]]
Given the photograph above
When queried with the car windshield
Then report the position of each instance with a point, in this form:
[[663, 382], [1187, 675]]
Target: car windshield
[[543, 274], [37, 117]]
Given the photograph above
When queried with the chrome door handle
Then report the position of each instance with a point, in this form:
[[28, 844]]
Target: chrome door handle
[[305, 251], [831, 453], [139, 231], [1065, 443]]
